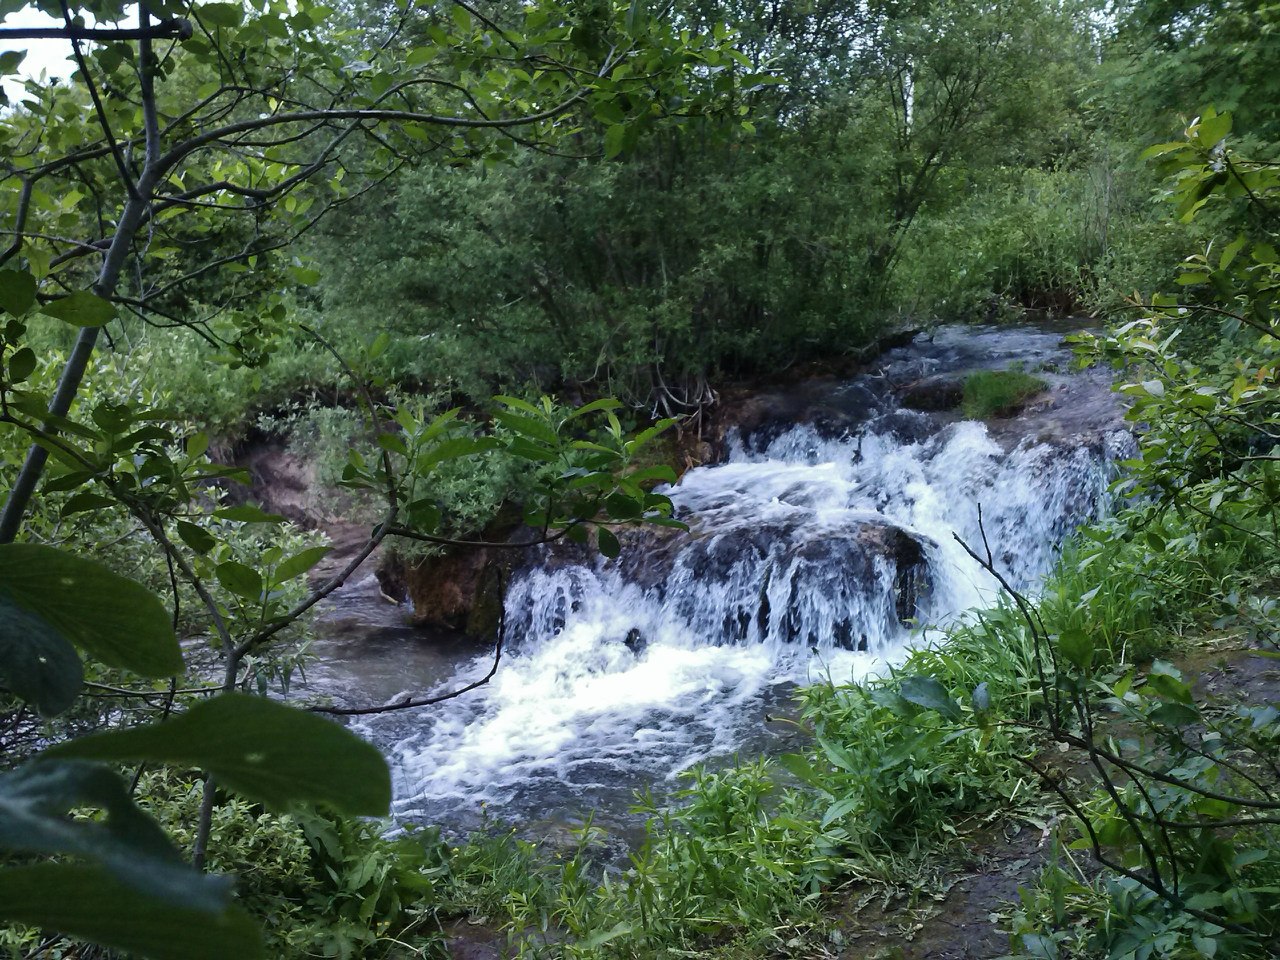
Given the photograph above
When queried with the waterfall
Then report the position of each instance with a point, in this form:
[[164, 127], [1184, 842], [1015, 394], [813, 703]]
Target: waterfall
[[821, 545], [812, 553]]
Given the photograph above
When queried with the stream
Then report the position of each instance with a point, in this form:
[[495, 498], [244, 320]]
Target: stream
[[819, 549]]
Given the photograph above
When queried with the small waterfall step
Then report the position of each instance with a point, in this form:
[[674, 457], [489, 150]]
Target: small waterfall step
[[825, 538]]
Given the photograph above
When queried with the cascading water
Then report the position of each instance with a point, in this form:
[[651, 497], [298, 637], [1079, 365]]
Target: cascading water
[[814, 551]]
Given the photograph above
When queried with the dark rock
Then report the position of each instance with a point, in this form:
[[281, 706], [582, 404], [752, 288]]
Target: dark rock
[[635, 641], [939, 393], [391, 580], [906, 426]]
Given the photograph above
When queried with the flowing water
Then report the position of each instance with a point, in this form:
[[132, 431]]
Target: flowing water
[[822, 545]]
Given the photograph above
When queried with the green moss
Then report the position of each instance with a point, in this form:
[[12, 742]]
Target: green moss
[[998, 393]]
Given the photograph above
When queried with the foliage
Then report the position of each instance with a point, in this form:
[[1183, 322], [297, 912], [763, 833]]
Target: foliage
[[998, 393], [692, 258], [1182, 811], [218, 155]]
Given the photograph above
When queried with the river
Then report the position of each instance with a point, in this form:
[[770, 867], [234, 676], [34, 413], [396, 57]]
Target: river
[[819, 549]]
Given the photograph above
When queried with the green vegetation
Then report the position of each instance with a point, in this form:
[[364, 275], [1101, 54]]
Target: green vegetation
[[350, 227], [998, 393]]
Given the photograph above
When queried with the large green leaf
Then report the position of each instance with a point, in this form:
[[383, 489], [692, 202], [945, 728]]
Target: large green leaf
[[299, 564], [35, 803], [85, 902], [929, 693], [36, 661], [260, 748], [239, 579], [118, 621], [82, 309], [17, 291]]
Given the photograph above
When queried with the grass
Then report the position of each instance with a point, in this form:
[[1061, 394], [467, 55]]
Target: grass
[[998, 393]]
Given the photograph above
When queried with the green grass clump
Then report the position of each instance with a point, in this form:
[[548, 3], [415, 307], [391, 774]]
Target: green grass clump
[[998, 393]]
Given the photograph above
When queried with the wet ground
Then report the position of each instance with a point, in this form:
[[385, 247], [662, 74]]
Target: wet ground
[[964, 917]]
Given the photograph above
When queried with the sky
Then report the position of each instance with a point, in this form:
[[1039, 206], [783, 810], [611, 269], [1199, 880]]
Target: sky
[[52, 57]]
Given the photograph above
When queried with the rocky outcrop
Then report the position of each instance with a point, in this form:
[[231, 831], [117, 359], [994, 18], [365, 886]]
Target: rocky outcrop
[[934, 394], [459, 590]]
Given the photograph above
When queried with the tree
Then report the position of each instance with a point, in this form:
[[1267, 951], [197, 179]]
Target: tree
[[229, 131], [722, 259]]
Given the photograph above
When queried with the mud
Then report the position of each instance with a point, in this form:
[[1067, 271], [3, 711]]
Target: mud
[[964, 918]]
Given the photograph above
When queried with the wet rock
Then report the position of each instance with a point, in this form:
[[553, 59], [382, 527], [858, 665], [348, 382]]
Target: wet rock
[[906, 426], [460, 590], [485, 617], [635, 641], [937, 393], [442, 588], [391, 581]]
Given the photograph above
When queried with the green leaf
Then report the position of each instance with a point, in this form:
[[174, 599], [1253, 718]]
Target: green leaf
[[802, 770], [299, 563], [197, 538], [260, 748], [608, 543], [605, 403], [841, 809], [615, 138], [239, 579], [1166, 682], [379, 346], [84, 502], [1212, 128], [221, 14], [17, 291], [85, 902], [36, 801], [424, 515], [82, 309], [10, 60], [838, 755], [197, 444], [1077, 648], [1205, 946], [393, 443], [519, 404], [116, 620], [929, 693], [635, 14], [452, 449], [660, 472], [620, 929], [1040, 947], [981, 698], [1231, 251], [527, 426], [21, 365], [36, 662], [909, 750], [248, 513]]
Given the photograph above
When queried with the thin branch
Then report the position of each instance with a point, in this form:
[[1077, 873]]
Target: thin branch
[[182, 150], [176, 29], [98, 108], [410, 534]]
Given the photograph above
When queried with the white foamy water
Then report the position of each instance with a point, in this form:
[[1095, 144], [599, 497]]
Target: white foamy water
[[807, 558]]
